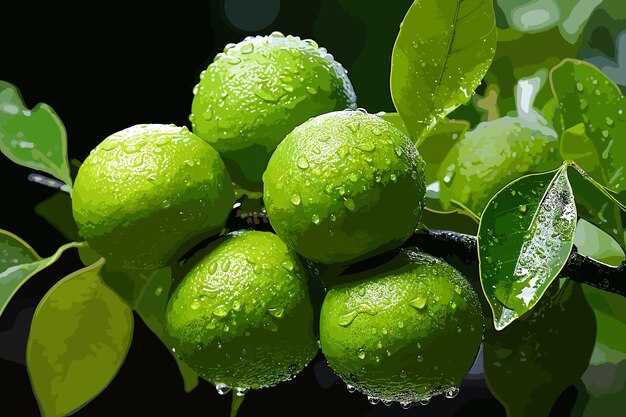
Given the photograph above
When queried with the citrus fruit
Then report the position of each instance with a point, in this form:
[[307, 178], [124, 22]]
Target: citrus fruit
[[242, 316], [344, 186], [257, 91], [403, 331], [489, 157], [148, 193]]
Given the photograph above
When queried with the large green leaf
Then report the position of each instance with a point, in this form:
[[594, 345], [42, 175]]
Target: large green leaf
[[21, 264], [150, 304], [14, 251], [33, 138], [531, 362], [78, 341], [441, 54], [525, 236], [586, 96]]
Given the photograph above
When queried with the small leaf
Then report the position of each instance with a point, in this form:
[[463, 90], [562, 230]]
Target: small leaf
[[586, 96], [531, 362], [440, 56], [14, 276], [78, 340], [33, 138], [150, 304], [525, 237], [597, 207]]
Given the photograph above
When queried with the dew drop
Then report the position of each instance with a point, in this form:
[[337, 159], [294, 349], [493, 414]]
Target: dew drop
[[241, 391], [222, 389], [212, 267], [403, 374], [208, 113], [387, 402], [366, 146], [349, 203], [398, 151], [425, 401], [351, 388], [158, 291], [452, 392], [276, 312], [361, 353], [247, 48], [347, 319], [221, 310], [225, 265], [311, 90], [420, 358], [195, 304], [315, 219], [295, 199], [393, 177], [288, 265], [405, 405], [302, 162], [522, 208], [457, 289], [418, 303], [373, 400]]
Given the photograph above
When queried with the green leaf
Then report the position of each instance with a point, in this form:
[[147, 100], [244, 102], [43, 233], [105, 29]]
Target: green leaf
[[150, 304], [57, 210], [525, 237], [595, 206], [586, 96], [78, 340], [605, 377], [569, 16], [531, 362], [440, 56], [13, 277], [14, 251], [33, 138]]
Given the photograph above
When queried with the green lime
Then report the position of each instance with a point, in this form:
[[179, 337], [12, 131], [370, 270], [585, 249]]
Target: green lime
[[257, 91], [344, 186], [489, 157], [242, 316], [404, 331], [148, 193]]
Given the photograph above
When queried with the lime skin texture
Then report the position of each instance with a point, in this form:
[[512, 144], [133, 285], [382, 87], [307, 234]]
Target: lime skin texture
[[404, 331], [257, 91], [242, 316], [489, 157], [148, 193], [343, 187]]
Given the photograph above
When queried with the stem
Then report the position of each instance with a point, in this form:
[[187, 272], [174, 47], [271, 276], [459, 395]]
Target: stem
[[235, 404], [48, 182], [579, 268]]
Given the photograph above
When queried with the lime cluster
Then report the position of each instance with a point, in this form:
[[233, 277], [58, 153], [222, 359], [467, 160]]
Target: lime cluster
[[340, 187]]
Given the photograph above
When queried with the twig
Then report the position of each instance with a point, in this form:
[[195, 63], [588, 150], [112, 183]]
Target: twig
[[579, 268]]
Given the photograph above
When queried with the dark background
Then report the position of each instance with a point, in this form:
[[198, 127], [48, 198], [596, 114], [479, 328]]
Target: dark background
[[104, 68]]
